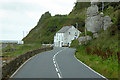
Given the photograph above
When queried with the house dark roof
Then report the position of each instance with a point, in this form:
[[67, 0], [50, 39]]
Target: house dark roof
[[64, 29]]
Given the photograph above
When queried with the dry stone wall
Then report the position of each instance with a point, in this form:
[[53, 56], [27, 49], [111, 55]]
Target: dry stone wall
[[12, 66]]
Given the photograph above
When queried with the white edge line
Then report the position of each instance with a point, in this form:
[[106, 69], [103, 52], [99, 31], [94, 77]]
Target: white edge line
[[21, 66], [91, 69]]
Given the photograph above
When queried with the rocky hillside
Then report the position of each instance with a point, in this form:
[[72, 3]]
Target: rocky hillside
[[104, 50], [48, 25]]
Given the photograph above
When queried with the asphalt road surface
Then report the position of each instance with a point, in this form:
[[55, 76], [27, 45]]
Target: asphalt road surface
[[57, 63]]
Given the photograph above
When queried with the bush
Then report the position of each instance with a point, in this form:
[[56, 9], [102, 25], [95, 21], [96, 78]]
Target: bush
[[74, 43], [88, 33]]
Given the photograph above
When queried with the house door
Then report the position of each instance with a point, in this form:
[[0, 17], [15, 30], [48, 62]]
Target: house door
[[59, 44]]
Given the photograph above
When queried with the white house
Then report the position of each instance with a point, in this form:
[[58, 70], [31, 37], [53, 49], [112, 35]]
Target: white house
[[65, 36], [20, 42]]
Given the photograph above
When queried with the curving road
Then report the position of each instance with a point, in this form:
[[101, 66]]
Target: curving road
[[57, 63]]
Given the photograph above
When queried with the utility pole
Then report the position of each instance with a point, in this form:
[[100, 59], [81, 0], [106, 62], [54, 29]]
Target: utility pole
[[102, 6], [86, 29], [23, 34], [85, 35], [76, 25], [77, 30]]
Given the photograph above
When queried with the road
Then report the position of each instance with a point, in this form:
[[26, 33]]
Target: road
[[57, 63]]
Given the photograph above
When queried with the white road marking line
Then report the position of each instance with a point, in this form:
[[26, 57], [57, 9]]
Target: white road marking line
[[56, 69], [91, 69], [56, 65], [54, 62], [21, 66], [59, 75]]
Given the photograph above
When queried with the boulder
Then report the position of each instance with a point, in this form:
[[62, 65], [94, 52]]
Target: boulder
[[94, 23], [107, 22], [92, 11], [82, 39], [95, 35]]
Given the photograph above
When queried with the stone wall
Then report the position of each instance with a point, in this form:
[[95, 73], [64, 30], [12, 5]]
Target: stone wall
[[12, 66]]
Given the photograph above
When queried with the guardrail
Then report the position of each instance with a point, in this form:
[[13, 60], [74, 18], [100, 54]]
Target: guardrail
[[12, 66]]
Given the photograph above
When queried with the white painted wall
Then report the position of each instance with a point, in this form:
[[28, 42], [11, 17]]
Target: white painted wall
[[58, 39], [66, 38], [20, 42]]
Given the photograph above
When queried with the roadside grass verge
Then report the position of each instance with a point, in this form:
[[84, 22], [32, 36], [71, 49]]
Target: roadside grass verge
[[106, 67], [19, 49]]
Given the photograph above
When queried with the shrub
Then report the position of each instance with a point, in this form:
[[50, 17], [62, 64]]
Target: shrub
[[88, 33], [74, 43], [88, 50], [118, 55]]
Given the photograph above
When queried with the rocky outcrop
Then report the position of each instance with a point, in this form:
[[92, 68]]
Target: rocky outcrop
[[95, 35], [92, 11], [107, 22], [95, 21], [82, 39]]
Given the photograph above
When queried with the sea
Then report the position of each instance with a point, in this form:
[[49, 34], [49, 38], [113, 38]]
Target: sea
[[9, 41]]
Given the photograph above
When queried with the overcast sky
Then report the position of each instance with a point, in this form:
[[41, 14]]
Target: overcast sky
[[17, 16]]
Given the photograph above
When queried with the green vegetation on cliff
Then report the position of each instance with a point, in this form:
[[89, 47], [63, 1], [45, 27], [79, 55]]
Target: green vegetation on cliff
[[102, 54], [48, 25]]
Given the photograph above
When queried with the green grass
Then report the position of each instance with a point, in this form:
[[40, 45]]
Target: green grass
[[20, 49], [106, 67], [106, 43], [89, 33], [94, 52], [74, 43]]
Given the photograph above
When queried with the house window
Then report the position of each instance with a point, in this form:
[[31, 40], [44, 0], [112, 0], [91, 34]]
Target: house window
[[69, 33], [75, 34]]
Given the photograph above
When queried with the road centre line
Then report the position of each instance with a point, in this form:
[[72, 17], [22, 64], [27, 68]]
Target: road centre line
[[56, 69], [56, 65], [59, 75]]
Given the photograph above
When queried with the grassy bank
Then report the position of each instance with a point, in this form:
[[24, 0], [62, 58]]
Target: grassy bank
[[106, 67], [16, 50], [102, 53]]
